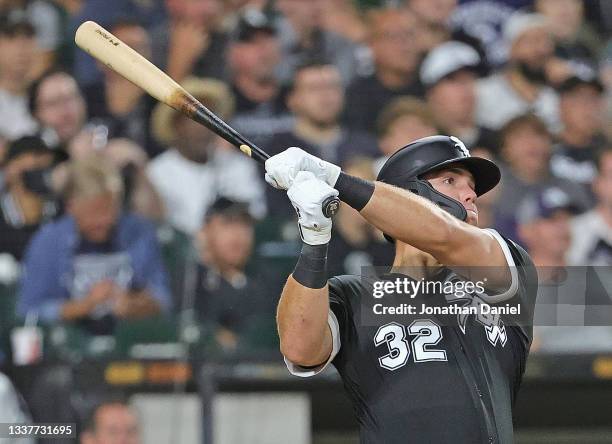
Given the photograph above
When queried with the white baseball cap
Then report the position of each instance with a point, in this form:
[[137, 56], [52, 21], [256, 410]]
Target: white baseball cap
[[446, 59], [521, 22]]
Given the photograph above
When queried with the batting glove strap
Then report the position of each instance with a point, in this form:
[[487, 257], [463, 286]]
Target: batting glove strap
[[354, 191], [311, 267]]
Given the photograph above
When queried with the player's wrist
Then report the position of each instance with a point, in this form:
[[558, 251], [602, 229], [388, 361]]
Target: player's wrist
[[311, 268], [354, 191]]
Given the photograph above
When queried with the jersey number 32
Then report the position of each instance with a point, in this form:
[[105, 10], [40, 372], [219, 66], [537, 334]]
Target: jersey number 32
[[424, 334]]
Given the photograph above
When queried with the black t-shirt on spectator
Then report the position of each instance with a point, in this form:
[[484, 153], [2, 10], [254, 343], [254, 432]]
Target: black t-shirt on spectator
[[260, 121], [366, 97], [348, 145], [15, 234], [135, 125]]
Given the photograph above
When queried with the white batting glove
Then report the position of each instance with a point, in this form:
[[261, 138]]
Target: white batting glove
[[307, 194], [282, 169]]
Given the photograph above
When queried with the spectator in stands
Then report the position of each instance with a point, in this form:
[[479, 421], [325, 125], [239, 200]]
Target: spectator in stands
[[190, 42], [23, 209], [344, 18], [526, 148], [403, 120], [230, 298], [485, 20], [13, 409], [435, 17], [95, 264], [124, 108], [355, 242], [592, 231], [112, 422], [449, 74], [316, 98], [302, 38], [56, 102], [253, 58], [582, 115], [575, 40], [17, 58], [543, 219], [522, 86], [570, 305], [393, 33], [46, 20], [139, 196], [205, 165]]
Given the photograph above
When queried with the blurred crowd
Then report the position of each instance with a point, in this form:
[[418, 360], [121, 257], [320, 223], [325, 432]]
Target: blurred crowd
[[114, 207]]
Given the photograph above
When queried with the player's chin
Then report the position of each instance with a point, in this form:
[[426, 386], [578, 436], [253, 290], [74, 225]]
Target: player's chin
[[472, 218]]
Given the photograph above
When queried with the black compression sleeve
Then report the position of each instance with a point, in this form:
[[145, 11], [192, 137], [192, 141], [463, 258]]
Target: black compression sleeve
[[311, 267], [354, 191]]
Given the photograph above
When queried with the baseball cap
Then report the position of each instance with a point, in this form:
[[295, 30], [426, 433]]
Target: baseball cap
[[581, 75], [447, 59], [521, 22], [230, 208], [545, 203], [250, 22], [27, 144]]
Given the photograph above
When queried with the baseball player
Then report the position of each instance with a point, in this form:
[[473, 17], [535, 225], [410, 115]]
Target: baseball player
[[426, 382]]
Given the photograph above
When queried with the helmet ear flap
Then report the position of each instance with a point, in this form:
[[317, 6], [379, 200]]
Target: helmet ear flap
[[425, 189]]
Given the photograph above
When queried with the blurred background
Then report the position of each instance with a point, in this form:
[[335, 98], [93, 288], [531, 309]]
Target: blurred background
[[141, 257]]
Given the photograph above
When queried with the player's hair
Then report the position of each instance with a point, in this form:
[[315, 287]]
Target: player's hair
[[403, 106], [529, 121], [92, 176]]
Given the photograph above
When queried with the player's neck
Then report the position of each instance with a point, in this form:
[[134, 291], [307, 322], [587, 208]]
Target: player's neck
[[413, 262]]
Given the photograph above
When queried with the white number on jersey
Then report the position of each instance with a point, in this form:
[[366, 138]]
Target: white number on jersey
[[427, 333]]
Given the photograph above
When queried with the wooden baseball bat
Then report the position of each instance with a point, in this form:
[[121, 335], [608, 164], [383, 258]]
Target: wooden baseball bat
[[119, 57]]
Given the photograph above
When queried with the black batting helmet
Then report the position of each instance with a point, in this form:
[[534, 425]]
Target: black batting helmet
[[407, 167]]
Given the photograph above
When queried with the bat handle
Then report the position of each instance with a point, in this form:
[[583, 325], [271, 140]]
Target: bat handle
[[330, 206]]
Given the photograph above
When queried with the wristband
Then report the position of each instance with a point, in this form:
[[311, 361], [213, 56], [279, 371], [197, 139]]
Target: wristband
[[354, 191], [311, 267]]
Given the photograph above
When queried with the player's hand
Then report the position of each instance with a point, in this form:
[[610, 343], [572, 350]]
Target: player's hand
[[282, 169], [307, 194]]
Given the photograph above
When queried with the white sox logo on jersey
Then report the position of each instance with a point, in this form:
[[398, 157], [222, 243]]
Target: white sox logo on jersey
[[494, 327]]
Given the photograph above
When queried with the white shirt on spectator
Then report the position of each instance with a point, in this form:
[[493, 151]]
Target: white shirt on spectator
[[188, 188], [16, 119], [591, 240], [497, 103]]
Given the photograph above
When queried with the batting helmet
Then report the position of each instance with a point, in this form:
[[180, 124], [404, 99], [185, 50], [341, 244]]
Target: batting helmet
[[407, 167]]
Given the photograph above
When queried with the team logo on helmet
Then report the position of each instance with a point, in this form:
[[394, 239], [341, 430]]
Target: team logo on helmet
[[459, 144]]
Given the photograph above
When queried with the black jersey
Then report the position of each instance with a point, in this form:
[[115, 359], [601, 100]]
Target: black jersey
[[429, 380]]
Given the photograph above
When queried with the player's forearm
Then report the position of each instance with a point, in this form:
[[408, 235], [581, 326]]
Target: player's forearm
[[302, 314], [410, 219]]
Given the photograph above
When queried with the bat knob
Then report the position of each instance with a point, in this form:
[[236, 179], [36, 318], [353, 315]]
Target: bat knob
[[331, 205]]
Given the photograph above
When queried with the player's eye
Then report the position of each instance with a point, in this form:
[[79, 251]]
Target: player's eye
[[449, 180]]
